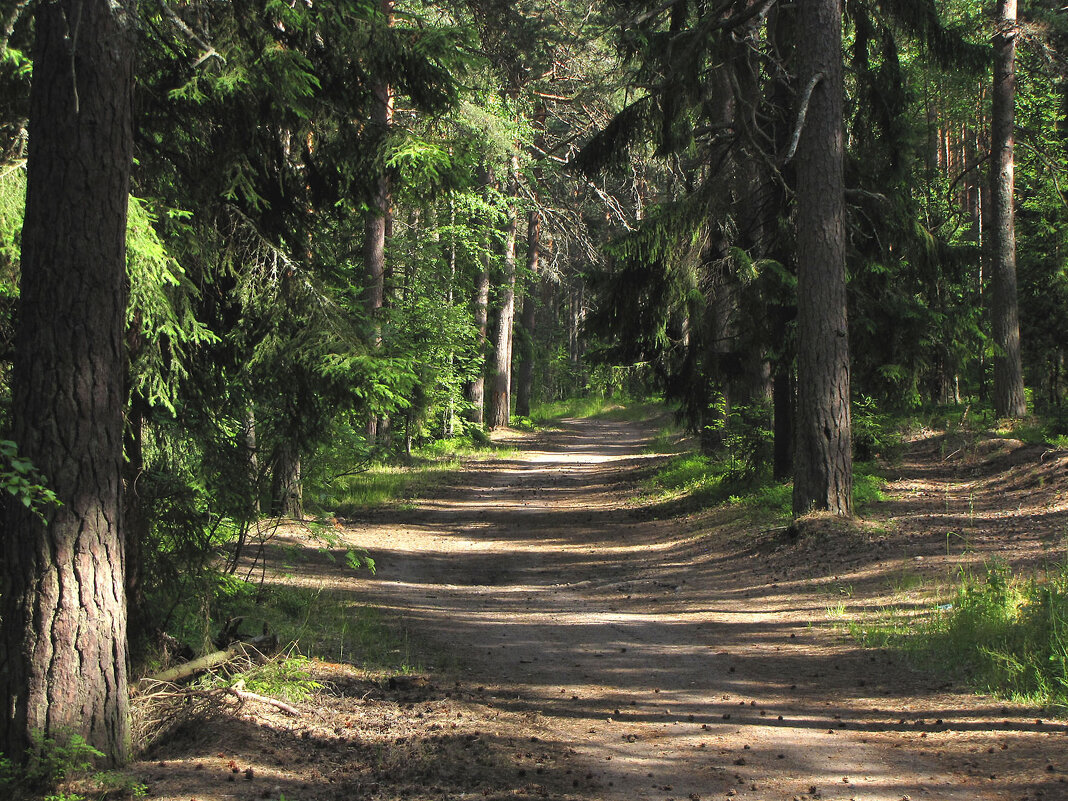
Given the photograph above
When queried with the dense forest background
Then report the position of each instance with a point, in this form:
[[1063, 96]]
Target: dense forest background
[[357, 228]]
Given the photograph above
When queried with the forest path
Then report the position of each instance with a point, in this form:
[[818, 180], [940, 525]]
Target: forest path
[[587, 642], [676, 663]]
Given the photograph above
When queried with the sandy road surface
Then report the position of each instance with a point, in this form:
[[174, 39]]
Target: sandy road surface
[[591, 644], [670, 664]]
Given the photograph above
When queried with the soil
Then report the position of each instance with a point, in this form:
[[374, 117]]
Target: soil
[[592, 643]]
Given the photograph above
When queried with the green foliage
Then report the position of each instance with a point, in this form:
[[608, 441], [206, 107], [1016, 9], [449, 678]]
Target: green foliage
[[874, 435], [1003, 633], [21, 479], [715, 479], [286, 677], [50, 762], [382, 485], [1008, 634], [609, 408], [162, 328]]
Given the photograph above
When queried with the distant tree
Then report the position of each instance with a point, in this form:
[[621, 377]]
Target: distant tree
[[1009, 400], [63, 631]]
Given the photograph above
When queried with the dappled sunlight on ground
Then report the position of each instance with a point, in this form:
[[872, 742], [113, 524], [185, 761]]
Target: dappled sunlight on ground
[[588, 649]]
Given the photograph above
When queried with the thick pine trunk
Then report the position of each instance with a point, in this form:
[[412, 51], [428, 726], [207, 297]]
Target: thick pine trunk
[[823, 474], [63, 635], [1009, 400]]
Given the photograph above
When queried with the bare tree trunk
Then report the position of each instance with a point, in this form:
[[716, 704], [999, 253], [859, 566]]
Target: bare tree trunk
[[823, 461], [500, 406], [287, 492], [476, 390], [63, 632], [525, 370], [1009, 399], [377, 221]]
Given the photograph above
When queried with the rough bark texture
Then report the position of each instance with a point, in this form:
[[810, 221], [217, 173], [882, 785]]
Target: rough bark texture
[[1009, 400], [476, 390], [823, 470], [63, 636], [501, 399]]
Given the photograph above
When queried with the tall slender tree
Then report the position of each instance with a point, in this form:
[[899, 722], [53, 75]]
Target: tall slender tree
[[823, 461], [63, 635], [500, 402], [1009, 399], [378, 220]]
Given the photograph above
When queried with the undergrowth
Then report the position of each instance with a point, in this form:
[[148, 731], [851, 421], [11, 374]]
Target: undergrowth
[[62, 768], [1002, 633], [710, 480], [597, 407], [390, 483]]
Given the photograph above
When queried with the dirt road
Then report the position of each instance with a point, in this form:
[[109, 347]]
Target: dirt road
[[592, 645]]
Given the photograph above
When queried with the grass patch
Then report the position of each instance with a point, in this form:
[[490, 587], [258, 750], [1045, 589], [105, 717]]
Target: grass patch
[[596, 407], [709, 481], [1002, 633], [381, 485], [394, 484], [324, 624]]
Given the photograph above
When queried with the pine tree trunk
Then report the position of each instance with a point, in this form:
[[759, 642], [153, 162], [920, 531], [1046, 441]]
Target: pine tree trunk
[[287, 490], [476, 390], [501, 397], [823, 474], [63, 635], [525, 370], [1009, 399], [377, 223]]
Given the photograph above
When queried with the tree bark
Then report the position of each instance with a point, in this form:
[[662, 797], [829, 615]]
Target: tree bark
[[377, 220], [287, 489], [527, 320], [500, 406], [823, 460], [476, 390], [63, 635], [1009, 399]]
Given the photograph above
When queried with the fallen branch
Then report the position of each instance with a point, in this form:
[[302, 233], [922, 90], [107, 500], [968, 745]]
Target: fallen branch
[[214, 659], [245, 695]]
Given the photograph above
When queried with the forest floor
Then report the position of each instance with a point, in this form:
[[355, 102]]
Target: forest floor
[[590, 642]]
